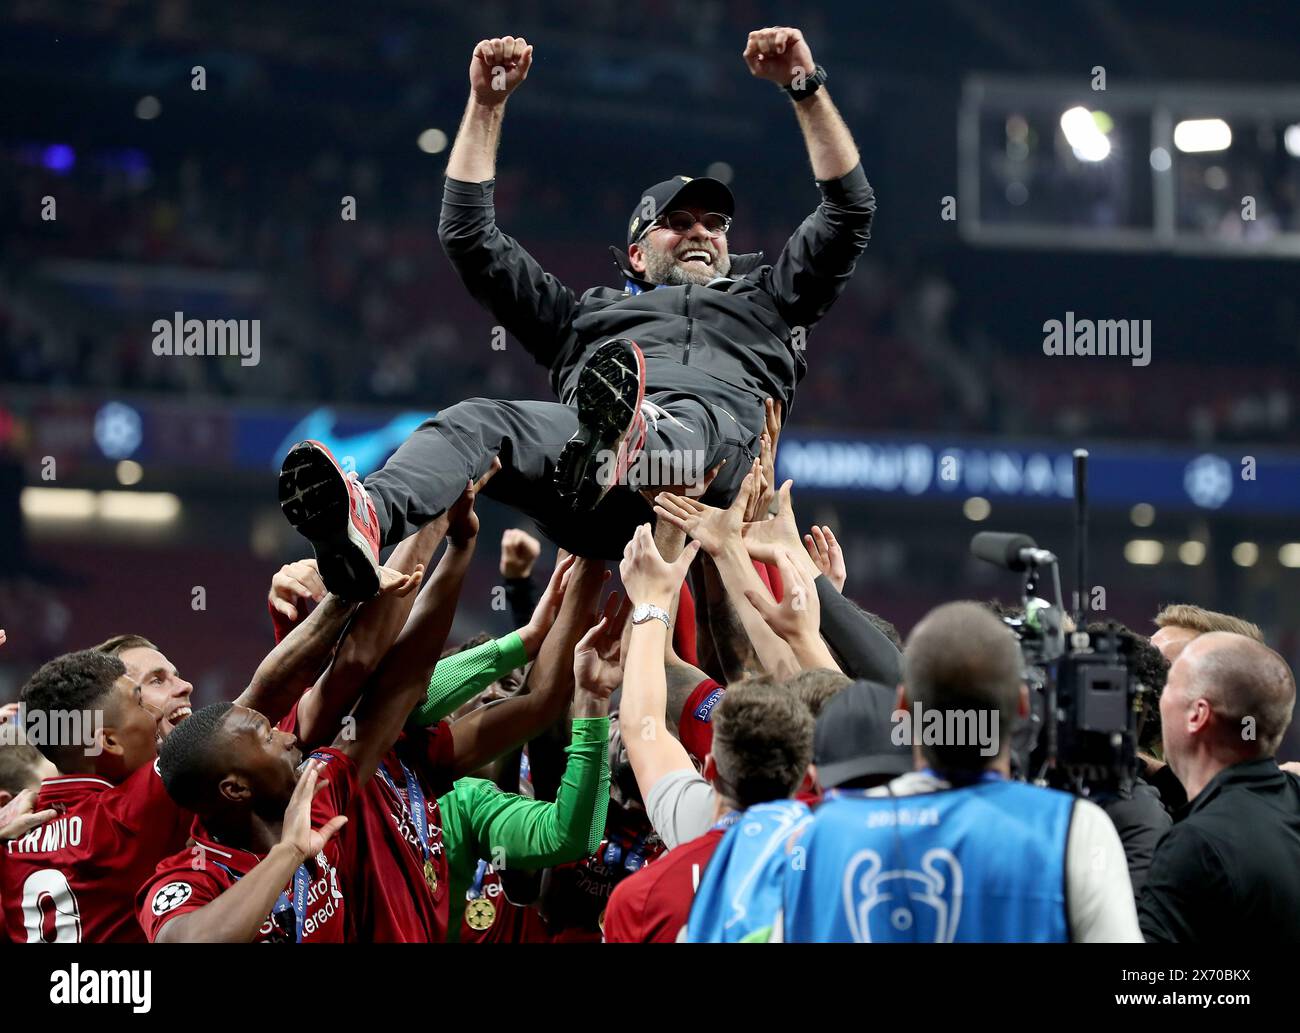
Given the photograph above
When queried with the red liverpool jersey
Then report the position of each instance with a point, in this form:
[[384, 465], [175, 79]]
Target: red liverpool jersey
[[579, 891], [192, 878], [393, 899], [653, 905], [400, 898], [491, 918], [74, 879]]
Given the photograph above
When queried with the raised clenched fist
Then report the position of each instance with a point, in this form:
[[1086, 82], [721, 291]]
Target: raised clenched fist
[[780, 55], [519, 551], [497, 67]]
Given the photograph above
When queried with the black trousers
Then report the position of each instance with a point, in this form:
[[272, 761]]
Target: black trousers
[[428, 472]]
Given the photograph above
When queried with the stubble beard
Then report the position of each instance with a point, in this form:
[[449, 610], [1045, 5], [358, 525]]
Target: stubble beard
[[661, 267]]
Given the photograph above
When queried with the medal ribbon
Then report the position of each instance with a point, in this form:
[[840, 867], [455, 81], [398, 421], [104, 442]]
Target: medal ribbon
[[416, 811], [632, 858], [480, 873], [301, 883]]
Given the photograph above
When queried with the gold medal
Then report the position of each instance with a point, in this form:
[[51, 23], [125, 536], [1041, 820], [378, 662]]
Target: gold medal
[[431, 876], [480, 913]]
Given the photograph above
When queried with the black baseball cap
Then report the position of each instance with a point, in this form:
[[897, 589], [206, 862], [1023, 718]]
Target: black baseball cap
[[682, 192], [853, 736]]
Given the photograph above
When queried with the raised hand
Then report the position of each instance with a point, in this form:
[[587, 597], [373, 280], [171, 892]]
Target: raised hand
[[767, 459], [462, 521], [760, 500], [778, 54], [693, 490], [598, 659], [548, 607], [497, 67], [827, 554], [297, 831], [294, 584], [762, 537], [773, 418], [519, 551], [797, 617], [647, 577], [397, 584], [713, 528]]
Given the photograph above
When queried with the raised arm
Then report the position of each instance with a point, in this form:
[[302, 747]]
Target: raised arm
[[719, 533], [781, 55], [372, 634], [648, 579], [819, 257], [733, 653], [682, 677], [536, 834], [403, 676], [797, 617], [864, 651], [496, 69], [519, 552], [462, 676], [297, 660], [490, 731], [530, 303], [293, 587]]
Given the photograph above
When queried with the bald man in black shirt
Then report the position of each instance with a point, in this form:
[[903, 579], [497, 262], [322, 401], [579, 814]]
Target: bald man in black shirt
[[1229, 869]]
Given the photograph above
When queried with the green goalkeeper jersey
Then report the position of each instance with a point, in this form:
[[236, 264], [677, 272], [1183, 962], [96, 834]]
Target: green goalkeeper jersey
[[511, 831], [460, 677]]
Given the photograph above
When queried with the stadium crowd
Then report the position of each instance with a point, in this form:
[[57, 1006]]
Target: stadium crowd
[[210, 209], [386, 283], [739, 770]]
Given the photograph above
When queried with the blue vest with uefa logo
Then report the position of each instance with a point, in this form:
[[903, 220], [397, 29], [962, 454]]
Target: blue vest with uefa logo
[[981, 863]]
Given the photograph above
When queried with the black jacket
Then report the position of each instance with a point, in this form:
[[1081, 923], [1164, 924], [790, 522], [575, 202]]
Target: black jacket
[[1141, 821], [1229, 869], [862, 649], [732, 343]]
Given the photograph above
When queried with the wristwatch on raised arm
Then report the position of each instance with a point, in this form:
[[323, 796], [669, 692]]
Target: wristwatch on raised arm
[[643, 612], [811, 84]]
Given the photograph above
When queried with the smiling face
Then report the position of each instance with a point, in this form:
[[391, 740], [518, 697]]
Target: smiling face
[[664, 256], [262, 765], [163, 690]]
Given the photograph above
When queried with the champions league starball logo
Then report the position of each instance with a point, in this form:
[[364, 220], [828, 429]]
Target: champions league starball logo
[[170, 897], [118, 430], [1208, 481], [891, 906]]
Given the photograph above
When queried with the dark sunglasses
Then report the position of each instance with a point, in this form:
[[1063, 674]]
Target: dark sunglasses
[[682, 221]]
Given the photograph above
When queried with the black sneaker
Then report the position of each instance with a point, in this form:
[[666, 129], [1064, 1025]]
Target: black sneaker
[[332, 510], [611, 429]]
